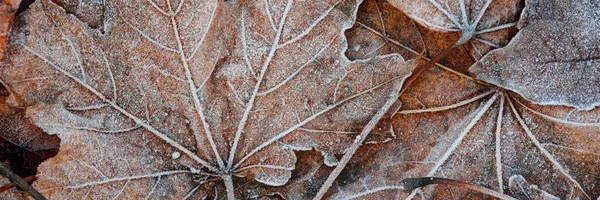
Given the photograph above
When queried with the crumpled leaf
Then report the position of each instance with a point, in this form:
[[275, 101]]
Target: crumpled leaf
[[452, 127], [178, 95], [489, 22], [554, 59]]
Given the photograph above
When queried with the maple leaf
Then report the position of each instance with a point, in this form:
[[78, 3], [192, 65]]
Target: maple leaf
[[175, 96], [381, 28], [452, 125]]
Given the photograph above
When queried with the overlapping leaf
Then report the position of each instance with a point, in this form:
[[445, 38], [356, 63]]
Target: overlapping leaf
[[456, 129], [176, 95], [451, 126], [555, 58]]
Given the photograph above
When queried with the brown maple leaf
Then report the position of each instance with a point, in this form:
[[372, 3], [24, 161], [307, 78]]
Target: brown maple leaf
[[454, 126], [173, 96]]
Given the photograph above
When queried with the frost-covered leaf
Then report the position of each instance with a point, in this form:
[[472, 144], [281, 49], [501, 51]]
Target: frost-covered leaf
[[452, 127], [555, 57], [487, 22], [175, 97]]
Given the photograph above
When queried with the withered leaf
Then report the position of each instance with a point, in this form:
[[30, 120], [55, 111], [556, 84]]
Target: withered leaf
[[452, 126], [176, 96], [381, 29], [555, 57]]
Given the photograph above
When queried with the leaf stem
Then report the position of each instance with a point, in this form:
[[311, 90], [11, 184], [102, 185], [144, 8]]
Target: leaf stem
[[19, 182], [229, 187], [360, 139], [6, 187]]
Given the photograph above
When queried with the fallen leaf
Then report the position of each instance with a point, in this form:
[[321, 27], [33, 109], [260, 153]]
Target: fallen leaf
[[175, 96], [451, 127], [18, 130], [555, 57]]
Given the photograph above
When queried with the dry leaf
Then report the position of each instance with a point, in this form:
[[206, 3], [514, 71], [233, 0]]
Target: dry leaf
[[555, 58], [451, 127], [178, 95], [24, 145], [19, 131], [156, 99]]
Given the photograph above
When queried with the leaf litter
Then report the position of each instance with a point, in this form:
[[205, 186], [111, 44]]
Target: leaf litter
[[533, 145]]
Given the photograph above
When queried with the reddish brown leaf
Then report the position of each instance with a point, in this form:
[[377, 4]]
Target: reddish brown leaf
[[468, 139], [179, 93], [452, 127]]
